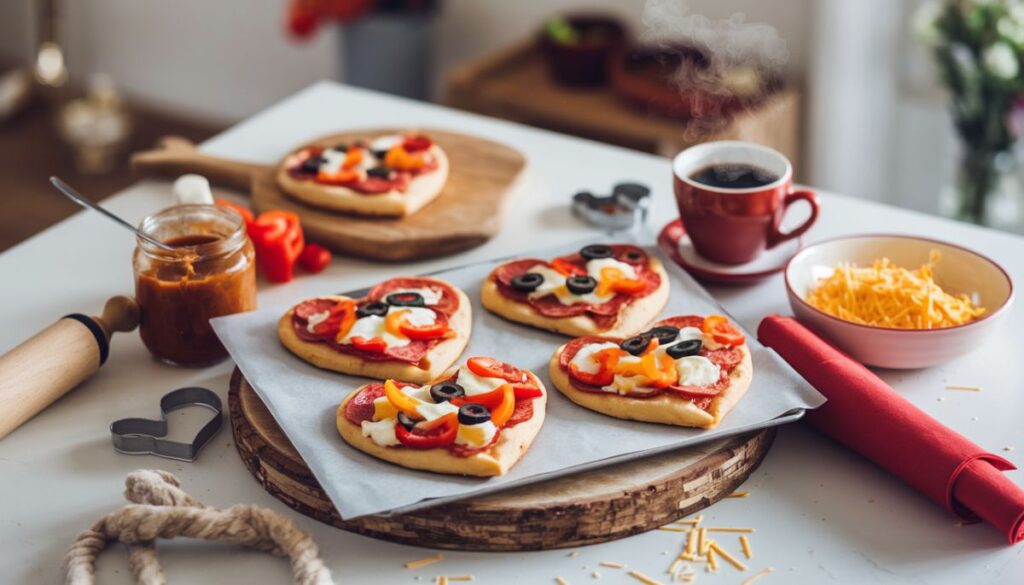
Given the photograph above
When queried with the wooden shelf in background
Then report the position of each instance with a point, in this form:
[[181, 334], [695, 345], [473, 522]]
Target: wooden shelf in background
[[514, 85], [31, 151]]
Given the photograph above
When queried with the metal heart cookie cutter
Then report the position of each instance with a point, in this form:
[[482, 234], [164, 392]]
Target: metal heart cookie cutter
[[625, 207], [143, 436]]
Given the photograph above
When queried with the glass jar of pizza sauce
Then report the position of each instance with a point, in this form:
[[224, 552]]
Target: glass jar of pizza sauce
[[210, 273]]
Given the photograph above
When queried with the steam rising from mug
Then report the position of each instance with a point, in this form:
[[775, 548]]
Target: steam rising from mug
[[737, 54]]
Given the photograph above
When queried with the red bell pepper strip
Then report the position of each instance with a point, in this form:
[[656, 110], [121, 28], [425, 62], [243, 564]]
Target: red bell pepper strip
[[440, 437], [315, 258], [567, 268], [277, 237], [526, 392], [492, 368], [374, 344], [436, 330], [607, 360], [417, 143]]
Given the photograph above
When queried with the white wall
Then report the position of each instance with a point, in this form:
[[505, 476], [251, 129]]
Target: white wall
[[226, 59]]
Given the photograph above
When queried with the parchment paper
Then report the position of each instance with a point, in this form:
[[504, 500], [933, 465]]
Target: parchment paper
[[303, 400]]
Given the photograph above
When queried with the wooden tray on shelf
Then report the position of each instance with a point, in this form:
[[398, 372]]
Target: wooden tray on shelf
[[586, 508]]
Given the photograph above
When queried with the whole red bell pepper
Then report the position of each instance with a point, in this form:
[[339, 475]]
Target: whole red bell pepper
[[277, 237]]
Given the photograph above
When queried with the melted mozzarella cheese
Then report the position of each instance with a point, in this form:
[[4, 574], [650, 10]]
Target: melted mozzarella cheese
[[385, 142], [553, 281], [433, 411], [697, 370], [316, 319], [381, 432], [474, 384], [333, 161], [584, 359], [629, 385], [430, 296], [476, 435], [368, 161], [373, 326], [421, 393]]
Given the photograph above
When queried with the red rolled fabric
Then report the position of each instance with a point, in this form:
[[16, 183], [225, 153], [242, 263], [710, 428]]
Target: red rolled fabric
[[867, 415]]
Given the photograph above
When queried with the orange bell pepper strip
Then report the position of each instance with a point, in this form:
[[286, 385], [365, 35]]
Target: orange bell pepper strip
[[402, 401], [660, 370], [400, 159], [353, 156], [394, 320], [429, 425], [348, 318], [607, 360], [342, 177], [613, 280], [503, 411], [719, 328]]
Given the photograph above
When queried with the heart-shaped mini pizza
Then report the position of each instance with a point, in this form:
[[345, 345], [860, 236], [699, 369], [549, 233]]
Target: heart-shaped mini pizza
[[687, 371], [477, 419], [391, 175], [406, 328], [600, 290]]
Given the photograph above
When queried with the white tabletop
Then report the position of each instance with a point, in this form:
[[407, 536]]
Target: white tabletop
[[820, 512]]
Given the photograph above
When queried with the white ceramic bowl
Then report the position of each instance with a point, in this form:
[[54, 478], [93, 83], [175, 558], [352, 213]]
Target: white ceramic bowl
[[959, 271]]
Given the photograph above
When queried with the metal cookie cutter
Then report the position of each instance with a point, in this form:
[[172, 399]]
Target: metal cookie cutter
[[143, 436], [625, 207]]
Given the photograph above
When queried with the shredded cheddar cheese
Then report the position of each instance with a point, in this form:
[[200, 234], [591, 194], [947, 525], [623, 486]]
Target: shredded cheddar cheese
[[886, 295], [757, 576], [745, 543], [643, 578], [424, 562]]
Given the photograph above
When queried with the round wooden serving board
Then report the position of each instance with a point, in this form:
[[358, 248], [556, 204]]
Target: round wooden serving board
[[586, 508], [467, 213]]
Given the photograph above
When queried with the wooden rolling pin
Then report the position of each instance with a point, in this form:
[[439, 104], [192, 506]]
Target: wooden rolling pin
[[36, 373]]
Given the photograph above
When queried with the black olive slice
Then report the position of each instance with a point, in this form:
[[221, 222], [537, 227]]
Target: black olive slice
[[633, 256], [372, 308], [635, 345], [406, 421], [580, 285], [405, 299], [379, 172], [527, 282], [594, 251], [445, 391], [684, 348], [665, 334], [311, 165], [379, 154], [474, 414]]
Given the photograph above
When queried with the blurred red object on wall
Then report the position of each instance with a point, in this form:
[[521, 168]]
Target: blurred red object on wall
[[305, 16]]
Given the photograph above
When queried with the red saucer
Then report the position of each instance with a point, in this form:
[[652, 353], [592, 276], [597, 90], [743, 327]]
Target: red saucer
[[674, 241]]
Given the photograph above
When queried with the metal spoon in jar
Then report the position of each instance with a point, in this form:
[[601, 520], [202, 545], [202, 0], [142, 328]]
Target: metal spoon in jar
[[77, 198]]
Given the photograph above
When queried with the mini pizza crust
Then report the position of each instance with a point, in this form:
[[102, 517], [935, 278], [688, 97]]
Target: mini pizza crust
[[421, 190], [510, 447], [437, 359], [633, 318], [665, 408]]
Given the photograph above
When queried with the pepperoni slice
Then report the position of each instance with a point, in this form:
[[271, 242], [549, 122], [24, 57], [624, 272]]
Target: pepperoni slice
[[683, 321], [726, 358], [307, 309], [360, 407]]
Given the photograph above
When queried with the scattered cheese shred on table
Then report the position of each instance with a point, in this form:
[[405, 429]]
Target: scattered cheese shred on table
[[712, 562], [424, 562], [745, 543], [728, 529], [964, 388], [719, 551], [753, 578], [673, 529], [561, 581], [643, 578], [738, 495], [612, 565], [886, 295]]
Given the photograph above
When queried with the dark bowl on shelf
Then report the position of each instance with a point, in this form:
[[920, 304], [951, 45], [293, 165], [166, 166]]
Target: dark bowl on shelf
[[679, 81], [583, 63]]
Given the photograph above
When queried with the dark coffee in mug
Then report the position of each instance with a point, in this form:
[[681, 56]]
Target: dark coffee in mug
[[734, 176]]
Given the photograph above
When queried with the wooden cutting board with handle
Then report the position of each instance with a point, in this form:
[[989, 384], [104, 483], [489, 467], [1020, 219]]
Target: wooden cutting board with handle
[[467, 213], [586, 508]]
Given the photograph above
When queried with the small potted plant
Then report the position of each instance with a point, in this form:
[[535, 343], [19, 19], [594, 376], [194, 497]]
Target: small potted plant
[[978, 47], [578, 48]]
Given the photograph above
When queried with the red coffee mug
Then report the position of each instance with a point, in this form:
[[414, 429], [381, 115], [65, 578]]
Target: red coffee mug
[[733, 226]]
